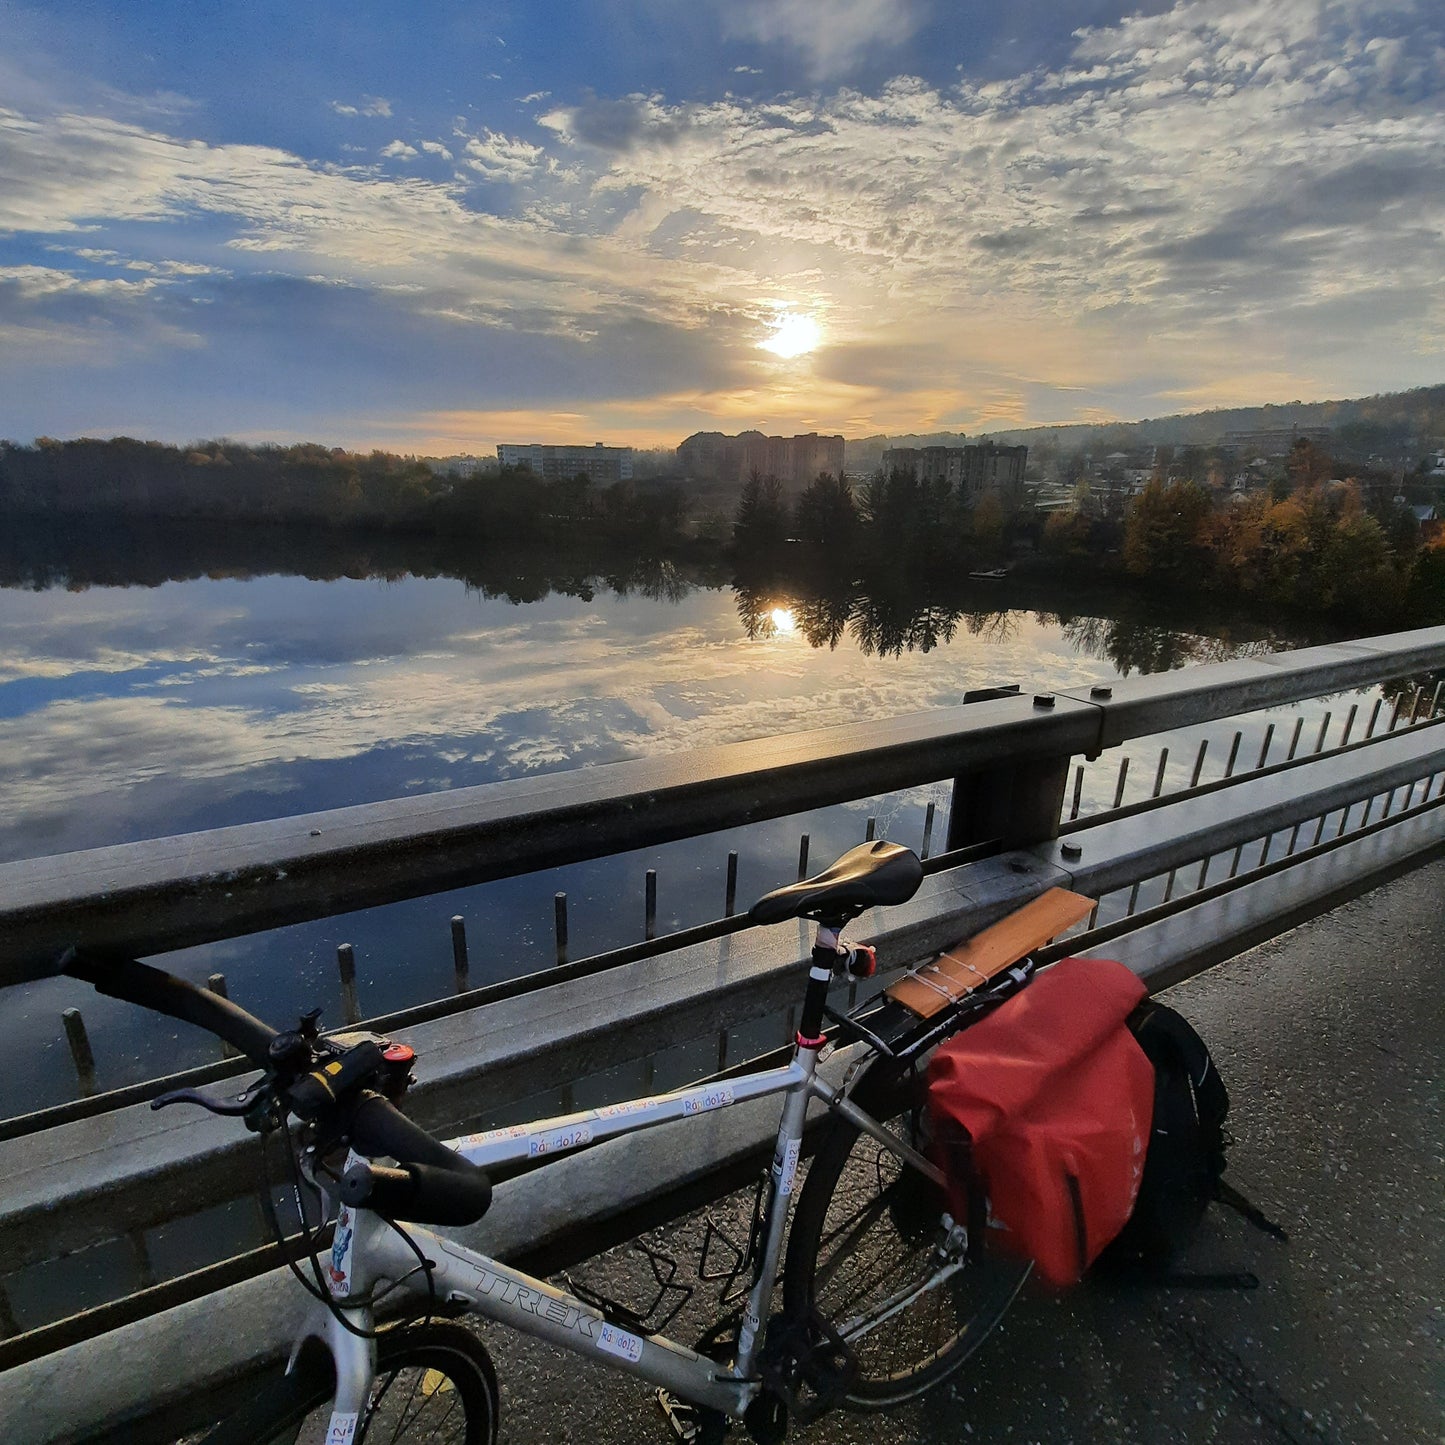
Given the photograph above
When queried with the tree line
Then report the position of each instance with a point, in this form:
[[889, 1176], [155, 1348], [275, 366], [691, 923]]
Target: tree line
[[893, 511], [1307, 543], [317, 486]]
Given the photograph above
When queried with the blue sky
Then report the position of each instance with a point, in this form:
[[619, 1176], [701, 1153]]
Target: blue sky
[[438, 226]]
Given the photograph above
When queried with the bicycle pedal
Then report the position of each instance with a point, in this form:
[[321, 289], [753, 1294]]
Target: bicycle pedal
[[692, 1424]]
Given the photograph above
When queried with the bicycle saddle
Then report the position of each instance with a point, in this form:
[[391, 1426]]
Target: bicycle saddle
[[868, 876]]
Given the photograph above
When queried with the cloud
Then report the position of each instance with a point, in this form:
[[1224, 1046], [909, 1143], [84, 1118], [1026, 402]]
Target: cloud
[[399, 150], [618, 125], [833, 36], [371, 105], [498, 157], [1187, 197]]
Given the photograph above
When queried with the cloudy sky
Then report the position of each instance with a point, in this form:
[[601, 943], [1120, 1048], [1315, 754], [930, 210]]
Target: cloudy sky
[[436, 226]]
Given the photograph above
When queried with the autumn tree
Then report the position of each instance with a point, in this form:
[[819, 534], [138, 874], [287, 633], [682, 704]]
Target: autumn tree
[[1162, 536]]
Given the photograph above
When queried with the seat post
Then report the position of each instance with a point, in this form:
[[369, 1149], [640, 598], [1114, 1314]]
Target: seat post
[[824, 963]]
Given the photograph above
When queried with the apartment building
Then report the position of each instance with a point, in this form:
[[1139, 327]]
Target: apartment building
[[795, 461], [971, 470], [558, 463]]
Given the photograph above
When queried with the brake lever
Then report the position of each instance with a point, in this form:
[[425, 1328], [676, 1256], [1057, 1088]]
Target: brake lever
[[235, 1107]]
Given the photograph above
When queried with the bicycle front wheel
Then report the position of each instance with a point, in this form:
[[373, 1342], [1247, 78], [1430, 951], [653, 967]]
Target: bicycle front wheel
[[434, 1383], [872, 1254]]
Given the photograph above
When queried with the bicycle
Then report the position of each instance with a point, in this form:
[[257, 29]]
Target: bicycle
[[887, 1284]]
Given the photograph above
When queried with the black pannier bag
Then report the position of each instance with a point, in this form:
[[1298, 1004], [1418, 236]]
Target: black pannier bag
[[1184, 1165]]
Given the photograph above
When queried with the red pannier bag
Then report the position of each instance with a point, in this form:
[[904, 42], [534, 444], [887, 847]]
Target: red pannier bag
[[1057, 1100]]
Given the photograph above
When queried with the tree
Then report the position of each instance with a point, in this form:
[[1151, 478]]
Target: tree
[[762, 515], [1162, 536], [826, 511]]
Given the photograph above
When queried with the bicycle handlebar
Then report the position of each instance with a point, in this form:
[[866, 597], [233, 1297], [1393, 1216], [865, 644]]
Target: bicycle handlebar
[[125, 978], [435, 1185]]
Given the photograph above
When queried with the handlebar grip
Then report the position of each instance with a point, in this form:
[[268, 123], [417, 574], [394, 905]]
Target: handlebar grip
[[379, 1127], [435, 1185], [153, 988], [420, 1193]]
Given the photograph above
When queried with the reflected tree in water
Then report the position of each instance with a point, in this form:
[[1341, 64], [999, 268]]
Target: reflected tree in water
[[1144, 647]]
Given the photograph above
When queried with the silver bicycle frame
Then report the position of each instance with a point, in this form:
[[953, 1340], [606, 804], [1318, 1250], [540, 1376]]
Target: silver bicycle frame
[[368, 1253]]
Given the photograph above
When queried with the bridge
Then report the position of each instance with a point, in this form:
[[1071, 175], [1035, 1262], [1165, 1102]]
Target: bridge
[[1297, 781]]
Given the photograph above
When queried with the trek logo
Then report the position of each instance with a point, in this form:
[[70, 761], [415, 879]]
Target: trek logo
[[587, 1324]]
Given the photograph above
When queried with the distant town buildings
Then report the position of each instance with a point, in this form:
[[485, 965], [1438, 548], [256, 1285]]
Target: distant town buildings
[[712, 456], [559, 463], [973, 470]]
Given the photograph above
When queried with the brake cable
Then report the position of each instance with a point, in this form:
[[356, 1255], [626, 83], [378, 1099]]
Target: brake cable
[[318, 1290]]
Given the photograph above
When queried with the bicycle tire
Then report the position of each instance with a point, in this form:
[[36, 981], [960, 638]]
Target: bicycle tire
[[865, 1236], [434, 1382]]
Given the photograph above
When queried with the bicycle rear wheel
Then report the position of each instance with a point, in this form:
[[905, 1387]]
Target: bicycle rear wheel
[[871, 1254]]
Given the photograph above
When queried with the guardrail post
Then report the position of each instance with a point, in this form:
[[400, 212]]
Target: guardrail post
[[346, 967], [1159, 775], [1015, 805], [80, 1053], [217, 985], [730, 903], [559, 911], [460, 961]]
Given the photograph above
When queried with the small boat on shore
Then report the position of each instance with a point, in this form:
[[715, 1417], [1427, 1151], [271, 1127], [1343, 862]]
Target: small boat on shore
[[994, 574]]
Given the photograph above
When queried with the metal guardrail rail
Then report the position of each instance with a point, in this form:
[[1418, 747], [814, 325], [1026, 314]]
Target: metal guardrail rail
[[106, 1167]]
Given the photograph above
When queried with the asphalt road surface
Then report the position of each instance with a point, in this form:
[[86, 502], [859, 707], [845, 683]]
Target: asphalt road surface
[[1331, 1040]]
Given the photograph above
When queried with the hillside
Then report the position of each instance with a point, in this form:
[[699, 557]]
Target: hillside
[[1402, 422]]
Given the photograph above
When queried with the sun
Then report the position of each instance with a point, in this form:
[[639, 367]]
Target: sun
[[784, 623], [793, 335]]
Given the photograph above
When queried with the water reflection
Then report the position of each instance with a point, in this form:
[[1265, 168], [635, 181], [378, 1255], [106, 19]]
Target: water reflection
[[890, 613]]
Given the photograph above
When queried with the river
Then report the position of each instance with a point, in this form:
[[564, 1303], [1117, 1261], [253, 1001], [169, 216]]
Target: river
[[137, 711]]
